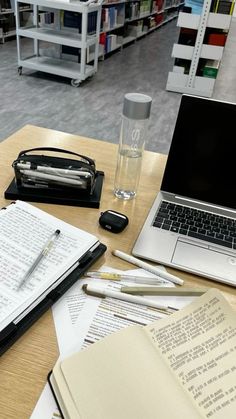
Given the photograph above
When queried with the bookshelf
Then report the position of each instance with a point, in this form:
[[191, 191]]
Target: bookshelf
[[199, 51], [7, 19], [60, 34], [123, 22]]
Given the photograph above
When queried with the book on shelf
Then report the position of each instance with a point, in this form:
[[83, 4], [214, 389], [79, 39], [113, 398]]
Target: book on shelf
[[111, 17], [108, 44], [182, 65], [132, 10], [210, 68], [182, 365], [159, 18], [187, 36], [24, 233], [91, 52], [113, 44], [105, 25], [45, 17], [149, 23], [218, 39], [102, 38], [74, 20], [222, 6], [160, 5], [135, 28]]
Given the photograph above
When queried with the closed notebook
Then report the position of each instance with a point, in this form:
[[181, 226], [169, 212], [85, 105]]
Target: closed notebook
[[181, 367]]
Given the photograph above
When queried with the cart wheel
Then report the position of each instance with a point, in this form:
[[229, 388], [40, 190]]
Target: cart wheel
[[20, 71], [75, 83]]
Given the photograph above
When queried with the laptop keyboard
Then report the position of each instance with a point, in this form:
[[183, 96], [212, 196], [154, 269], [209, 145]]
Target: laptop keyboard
[[195, 223]]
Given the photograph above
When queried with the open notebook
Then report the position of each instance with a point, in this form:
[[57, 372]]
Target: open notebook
[[182, 366], [24, 230]]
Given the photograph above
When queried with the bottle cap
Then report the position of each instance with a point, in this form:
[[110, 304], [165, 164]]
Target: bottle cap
[[137, 106]]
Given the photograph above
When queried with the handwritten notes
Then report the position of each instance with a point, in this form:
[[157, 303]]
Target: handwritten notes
[[24, 230]]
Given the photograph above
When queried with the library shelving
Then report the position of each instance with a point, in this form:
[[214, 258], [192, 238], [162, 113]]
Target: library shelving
[[199, 51], [61, 33], [123, 22], [7, 19]]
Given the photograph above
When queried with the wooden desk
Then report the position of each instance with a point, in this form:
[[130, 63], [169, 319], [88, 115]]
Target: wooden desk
[[24, 367]]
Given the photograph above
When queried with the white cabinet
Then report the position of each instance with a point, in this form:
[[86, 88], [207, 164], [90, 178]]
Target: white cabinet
[[197, 62], [49, 35]]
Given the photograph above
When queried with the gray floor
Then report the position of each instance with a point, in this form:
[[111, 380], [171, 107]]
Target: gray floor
[[94, 109]]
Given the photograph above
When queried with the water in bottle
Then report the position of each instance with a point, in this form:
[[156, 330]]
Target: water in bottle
[[136, 111]]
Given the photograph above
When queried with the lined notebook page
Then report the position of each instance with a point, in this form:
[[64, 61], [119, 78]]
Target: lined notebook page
[[24, 231]]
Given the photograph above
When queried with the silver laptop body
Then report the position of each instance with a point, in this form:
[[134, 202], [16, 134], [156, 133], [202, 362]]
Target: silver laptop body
[[199, 182]]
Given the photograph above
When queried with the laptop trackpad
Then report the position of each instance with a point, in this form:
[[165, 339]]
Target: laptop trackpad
[[204, 260]]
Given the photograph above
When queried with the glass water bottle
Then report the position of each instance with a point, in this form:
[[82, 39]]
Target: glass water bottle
[[136, 112]]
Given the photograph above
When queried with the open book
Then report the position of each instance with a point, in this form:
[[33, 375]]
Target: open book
[[24, 230], [181, 367]]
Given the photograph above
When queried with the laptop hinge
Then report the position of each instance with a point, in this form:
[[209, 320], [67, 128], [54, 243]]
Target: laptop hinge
[[203, 204]]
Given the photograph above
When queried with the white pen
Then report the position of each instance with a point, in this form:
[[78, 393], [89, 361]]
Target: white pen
[[112, 276], [41, 255], [54, 170], [103, 292], [40, 175], [147, 267]]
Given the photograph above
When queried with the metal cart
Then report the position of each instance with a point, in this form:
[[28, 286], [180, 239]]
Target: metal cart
[[56, 34]]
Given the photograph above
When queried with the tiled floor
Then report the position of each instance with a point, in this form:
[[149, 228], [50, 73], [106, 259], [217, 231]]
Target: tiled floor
[[94, 109]]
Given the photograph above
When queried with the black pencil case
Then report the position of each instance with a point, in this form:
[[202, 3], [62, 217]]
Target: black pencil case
[[47, 171]]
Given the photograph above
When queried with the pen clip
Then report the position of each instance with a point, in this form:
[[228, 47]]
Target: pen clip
[[47, 248]]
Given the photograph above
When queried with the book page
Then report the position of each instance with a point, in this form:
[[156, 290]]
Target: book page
[[124, 370], [120, 376], [81, 320], [199, 346], [24, 231]]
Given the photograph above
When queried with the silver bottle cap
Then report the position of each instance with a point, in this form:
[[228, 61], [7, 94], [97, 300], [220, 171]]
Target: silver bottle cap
[[137, 106]]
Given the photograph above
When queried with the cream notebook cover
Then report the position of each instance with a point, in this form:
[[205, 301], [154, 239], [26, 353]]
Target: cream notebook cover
[[181, 367]]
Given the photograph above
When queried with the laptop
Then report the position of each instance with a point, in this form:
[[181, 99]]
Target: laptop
[[192, 223]]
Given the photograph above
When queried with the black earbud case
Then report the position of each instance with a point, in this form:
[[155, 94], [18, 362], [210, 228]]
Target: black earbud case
[[113, 221]]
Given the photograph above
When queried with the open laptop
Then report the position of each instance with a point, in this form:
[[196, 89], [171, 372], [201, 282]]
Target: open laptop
[[192, 223]]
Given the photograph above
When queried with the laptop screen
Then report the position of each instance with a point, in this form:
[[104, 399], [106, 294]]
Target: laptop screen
[[202, 159]]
